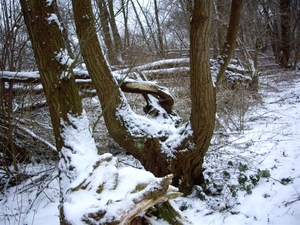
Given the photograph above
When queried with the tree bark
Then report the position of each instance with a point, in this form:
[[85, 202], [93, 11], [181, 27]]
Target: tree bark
[[61, 91], [229, 45], [114, 28], [203, 98], [285, 50], [104, 19], [159, 32], [58, 82]]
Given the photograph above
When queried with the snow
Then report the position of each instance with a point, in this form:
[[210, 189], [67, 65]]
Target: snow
[[142, 127], [156, 64], [53, 18], [63, 58], [270, 142], [49, 2], [20, 75]]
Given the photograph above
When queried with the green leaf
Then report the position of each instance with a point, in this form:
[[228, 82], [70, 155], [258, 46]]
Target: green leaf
[[230, 163], [233, 190], [249, 189], [264, 173], [200, 193], [286, 181], [243, 167], [242, 179], [226, 174], [255, 179]]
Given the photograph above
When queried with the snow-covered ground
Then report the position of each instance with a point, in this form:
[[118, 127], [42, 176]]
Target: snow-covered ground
[[270, 143], [254, 175]]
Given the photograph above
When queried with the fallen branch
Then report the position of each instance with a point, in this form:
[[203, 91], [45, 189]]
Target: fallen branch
[[165, 99], [36, 137]]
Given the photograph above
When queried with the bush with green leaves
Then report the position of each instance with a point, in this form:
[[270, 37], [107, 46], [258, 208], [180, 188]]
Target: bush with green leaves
[[235, 177]]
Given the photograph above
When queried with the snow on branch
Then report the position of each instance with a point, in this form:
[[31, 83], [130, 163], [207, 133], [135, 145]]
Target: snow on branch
[[36, 137]]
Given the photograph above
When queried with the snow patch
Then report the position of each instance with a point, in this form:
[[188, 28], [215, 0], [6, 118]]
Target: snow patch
[[53, 18]]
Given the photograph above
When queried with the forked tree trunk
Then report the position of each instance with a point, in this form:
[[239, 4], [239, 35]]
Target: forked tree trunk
[[154, 144], [116, 111]]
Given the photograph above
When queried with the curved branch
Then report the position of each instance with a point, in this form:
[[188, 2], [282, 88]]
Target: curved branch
[[165, 99]]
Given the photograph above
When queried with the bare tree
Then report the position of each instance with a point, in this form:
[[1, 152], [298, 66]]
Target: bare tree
[[159, 31], [283, 20], [125, 18], [13, 37], [149, 26], [141, 26], [104, 19], [115, 31], [285, 48]]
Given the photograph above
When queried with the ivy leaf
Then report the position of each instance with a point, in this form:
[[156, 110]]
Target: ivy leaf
[[264, 173], [243, 167], [242, 179], [255, 179], [226, 174], [286, 181]]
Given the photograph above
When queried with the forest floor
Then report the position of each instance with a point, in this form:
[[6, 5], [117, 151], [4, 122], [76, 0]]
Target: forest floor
[[253, 164]]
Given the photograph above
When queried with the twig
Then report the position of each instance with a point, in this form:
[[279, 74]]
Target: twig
[[36, 137]]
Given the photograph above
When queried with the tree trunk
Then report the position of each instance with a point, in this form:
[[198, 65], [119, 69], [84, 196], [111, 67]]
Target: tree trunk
[[285, 14], [104, 19], [59, 85], [202, 96], [125, 17], [61, 91], [159, 32], [229, 45], [114, 28], [141, 26], [65, 34]]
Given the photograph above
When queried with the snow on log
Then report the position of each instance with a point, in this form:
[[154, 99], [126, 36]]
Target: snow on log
[[145, 87], [20, 77]]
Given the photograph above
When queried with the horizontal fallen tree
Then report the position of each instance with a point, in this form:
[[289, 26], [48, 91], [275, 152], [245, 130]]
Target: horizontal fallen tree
[[135, 80], [161, 94]]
